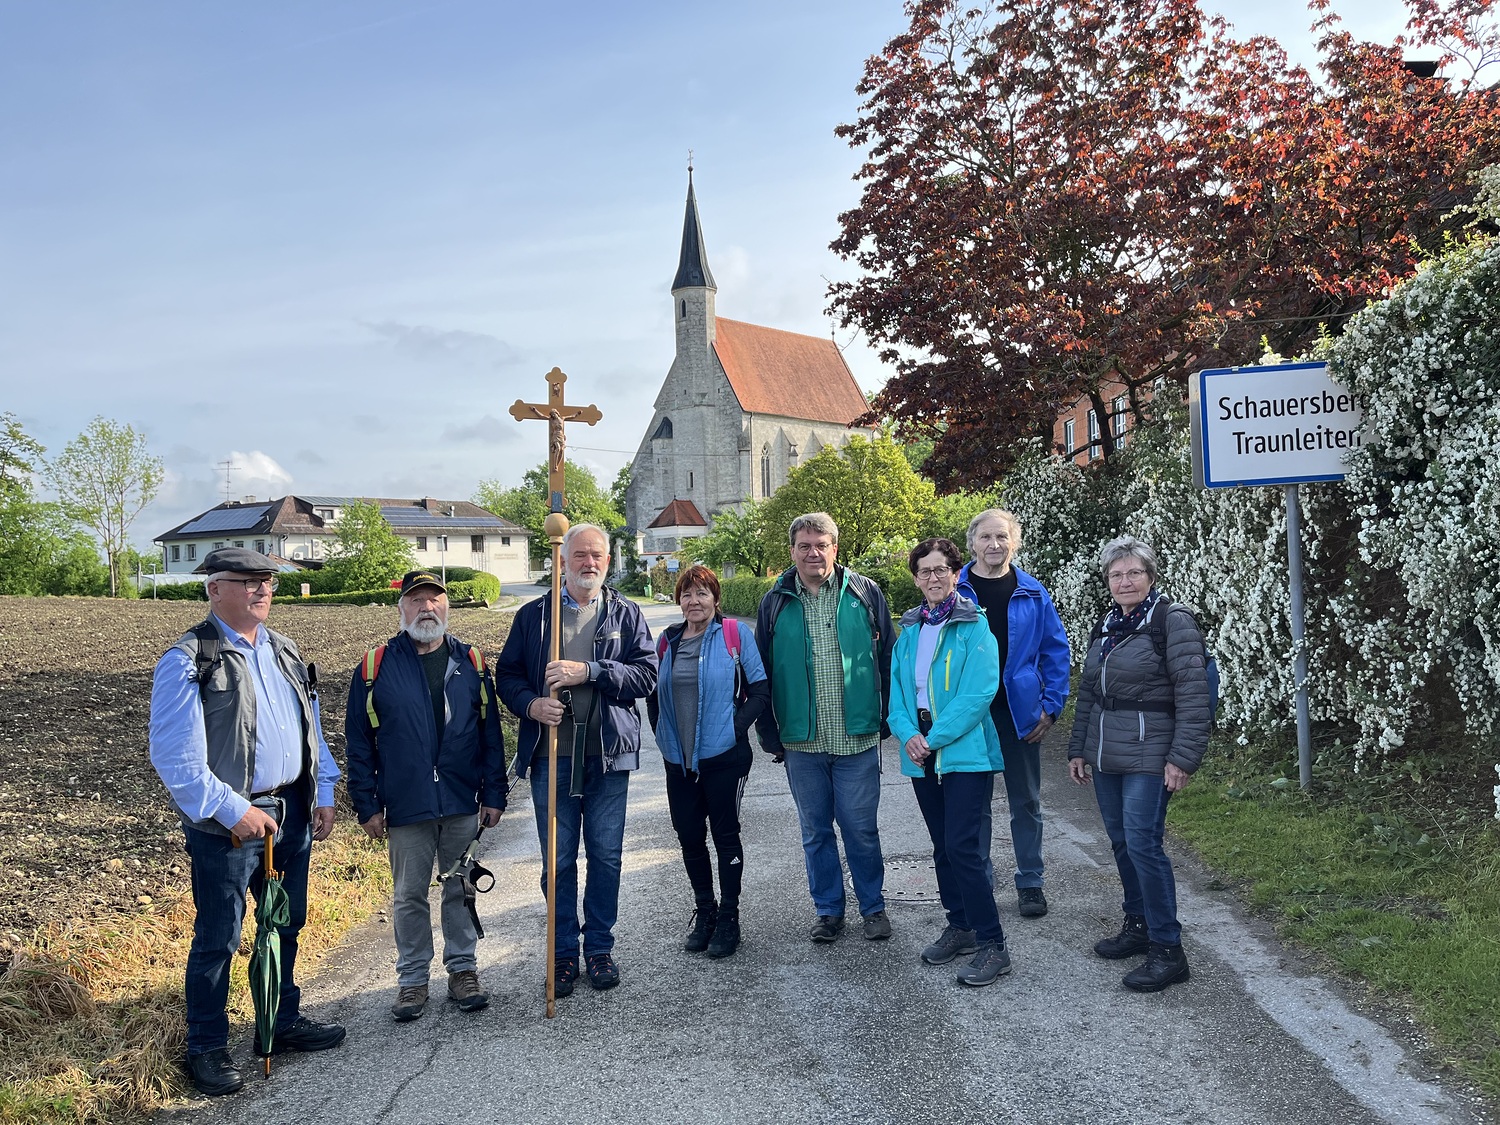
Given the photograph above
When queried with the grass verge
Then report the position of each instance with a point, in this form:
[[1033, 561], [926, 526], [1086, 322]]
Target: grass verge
[[1394, 891], [91, 1012]]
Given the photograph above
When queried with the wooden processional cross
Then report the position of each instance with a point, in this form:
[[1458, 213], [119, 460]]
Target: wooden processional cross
[[554, 412]]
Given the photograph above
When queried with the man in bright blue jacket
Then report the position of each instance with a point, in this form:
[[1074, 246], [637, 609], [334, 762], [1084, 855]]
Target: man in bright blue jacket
[[1034, 664], [425, 755], [607, 663]]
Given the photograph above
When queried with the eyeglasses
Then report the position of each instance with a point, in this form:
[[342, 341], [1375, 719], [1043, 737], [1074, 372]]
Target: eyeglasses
[[1133, 575], [927, 573], [253, 585]]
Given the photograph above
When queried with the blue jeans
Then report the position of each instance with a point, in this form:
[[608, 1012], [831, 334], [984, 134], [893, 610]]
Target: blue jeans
[[599, 816], [955, 809], [1134, 808], [221, 874], [842, 788], [1023, 792]]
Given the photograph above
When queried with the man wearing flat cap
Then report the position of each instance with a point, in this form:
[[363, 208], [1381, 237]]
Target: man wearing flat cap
[[425, 758], [236, 740]]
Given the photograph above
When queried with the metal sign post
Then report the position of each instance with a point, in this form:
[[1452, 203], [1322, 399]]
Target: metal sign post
[[1276, 424], [554, 413]]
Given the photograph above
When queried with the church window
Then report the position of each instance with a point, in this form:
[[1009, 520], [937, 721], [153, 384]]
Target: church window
[[664, 430], [765, 472]]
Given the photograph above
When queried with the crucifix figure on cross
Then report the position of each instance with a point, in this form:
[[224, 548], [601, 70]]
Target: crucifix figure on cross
[[555, 412]]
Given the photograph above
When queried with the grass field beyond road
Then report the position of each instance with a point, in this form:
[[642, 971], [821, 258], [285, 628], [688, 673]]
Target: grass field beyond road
[[1392, 891]]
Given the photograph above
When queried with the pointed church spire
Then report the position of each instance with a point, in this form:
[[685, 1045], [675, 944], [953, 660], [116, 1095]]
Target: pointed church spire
[[692, 264]]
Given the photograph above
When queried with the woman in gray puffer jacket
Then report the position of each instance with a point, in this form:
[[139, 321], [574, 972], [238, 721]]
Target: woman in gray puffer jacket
[[1141, 725]]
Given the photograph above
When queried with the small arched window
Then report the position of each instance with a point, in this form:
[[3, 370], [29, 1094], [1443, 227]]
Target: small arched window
[[683, 313], [765, 471], [690, 480]]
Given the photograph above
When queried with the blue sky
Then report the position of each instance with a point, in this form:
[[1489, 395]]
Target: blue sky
[[333, 241]]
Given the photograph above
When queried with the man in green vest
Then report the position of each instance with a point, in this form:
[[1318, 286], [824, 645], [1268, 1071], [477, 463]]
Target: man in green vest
[[825, 637]]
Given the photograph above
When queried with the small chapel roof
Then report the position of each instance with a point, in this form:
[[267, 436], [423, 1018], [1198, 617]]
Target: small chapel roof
[[787, 373], [679, 513]]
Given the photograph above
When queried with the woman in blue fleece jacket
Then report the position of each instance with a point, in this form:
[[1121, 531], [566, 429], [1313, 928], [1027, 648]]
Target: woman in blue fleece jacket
[[704, 735]]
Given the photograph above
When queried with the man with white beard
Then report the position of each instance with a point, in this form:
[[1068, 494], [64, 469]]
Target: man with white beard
[[426, 757]]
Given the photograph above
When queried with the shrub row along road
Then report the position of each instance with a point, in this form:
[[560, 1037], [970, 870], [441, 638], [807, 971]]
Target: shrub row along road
[[859, 1031], [85, 826]]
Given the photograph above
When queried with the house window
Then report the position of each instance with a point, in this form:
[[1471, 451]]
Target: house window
[[218, 543], [260, 545], [1070, 435], [323, 513], [505, 540], [421, 542], [1118, 423], [1093, 435], [176, 552], [192, 552], [476, 542], [765, 472], [239, 542]]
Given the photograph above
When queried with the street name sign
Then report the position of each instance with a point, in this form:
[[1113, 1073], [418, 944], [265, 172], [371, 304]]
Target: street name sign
[[1278, 424]]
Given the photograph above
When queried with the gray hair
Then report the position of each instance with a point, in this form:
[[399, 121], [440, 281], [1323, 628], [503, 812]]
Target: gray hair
[[577, 529], [1006, 517], [819, 523], [1126, 547]]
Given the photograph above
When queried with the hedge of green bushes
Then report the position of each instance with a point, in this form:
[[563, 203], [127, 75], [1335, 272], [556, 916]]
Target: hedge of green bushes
[[742, 594], [482, 587], [179, 592]]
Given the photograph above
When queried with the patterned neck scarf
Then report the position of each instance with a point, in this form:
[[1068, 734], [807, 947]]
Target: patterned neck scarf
[[1119, 625], [937, 614]]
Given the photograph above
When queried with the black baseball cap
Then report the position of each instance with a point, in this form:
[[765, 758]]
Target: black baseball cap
[[237, 560], [415, 578]]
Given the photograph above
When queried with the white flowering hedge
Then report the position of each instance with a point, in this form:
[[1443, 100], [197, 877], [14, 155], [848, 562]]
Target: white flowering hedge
[[1401, 561]]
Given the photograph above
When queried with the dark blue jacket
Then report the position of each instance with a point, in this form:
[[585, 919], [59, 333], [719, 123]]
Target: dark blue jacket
[[625, 662], [1037, 662], [398, 767]]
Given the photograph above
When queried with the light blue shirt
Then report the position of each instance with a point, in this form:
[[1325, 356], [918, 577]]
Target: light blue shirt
[[179, 744]]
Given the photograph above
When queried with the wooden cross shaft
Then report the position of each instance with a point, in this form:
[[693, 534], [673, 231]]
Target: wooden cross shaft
[[555, 412]]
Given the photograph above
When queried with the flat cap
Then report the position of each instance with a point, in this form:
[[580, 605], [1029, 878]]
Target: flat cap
[[237, 560]]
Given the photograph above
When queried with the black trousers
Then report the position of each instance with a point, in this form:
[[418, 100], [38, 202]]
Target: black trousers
[[702, 803]]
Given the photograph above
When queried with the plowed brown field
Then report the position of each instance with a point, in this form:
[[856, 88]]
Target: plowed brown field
[[85, 825]]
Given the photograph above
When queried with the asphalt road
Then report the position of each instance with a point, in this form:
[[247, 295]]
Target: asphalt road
[[788, 1031]]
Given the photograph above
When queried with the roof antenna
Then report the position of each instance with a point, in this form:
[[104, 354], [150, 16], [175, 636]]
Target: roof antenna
[[229, 467]]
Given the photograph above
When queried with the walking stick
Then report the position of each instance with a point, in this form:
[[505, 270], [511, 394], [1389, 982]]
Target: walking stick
[[556, 527]]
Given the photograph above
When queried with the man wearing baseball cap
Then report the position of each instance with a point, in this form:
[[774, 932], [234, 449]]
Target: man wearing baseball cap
[[425, 756], [236, 740]]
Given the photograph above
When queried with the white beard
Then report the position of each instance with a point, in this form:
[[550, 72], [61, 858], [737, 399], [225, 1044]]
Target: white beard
[[425, 629], [590, 585]]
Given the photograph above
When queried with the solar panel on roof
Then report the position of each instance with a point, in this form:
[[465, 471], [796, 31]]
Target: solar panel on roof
[[418, 517], [225, 519]]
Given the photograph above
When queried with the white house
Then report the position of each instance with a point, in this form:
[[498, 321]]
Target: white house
[[297, 530]]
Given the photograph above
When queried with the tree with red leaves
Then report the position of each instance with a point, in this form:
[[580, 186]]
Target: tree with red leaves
[[1067, 196]]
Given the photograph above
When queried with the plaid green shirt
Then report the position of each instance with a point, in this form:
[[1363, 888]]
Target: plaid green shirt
[[821, 612]]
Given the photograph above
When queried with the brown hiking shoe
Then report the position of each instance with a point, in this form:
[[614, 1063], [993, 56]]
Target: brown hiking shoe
[[464, 990], [410, 1000]]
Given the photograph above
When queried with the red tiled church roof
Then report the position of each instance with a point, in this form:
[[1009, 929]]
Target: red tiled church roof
[[787, 374], [679, 513]]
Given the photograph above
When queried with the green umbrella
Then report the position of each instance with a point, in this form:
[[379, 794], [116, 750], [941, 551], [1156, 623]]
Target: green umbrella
[[272, 911]]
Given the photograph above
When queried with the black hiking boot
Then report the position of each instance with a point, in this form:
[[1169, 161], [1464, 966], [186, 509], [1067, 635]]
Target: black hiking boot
[[703, 929], [726, 937], [1127, 943], [1164, 965]]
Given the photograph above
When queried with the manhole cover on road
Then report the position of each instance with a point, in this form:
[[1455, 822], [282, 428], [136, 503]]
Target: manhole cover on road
[[909, 879]]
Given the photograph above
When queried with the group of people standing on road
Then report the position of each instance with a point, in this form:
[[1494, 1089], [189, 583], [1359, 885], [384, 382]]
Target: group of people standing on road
[[970, 688]]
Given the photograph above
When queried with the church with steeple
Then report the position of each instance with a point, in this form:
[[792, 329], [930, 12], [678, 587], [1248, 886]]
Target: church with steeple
[[741, 406]]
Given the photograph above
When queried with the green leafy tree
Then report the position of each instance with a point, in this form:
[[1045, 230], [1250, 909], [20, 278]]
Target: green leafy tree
[[20, 456], [737, 539], [868, 487], [527, 504], [368, 554], [41, 551], [104, 478], [949, 515]]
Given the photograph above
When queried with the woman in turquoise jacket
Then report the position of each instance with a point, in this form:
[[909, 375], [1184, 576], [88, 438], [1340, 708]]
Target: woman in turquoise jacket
[[944, 674]]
